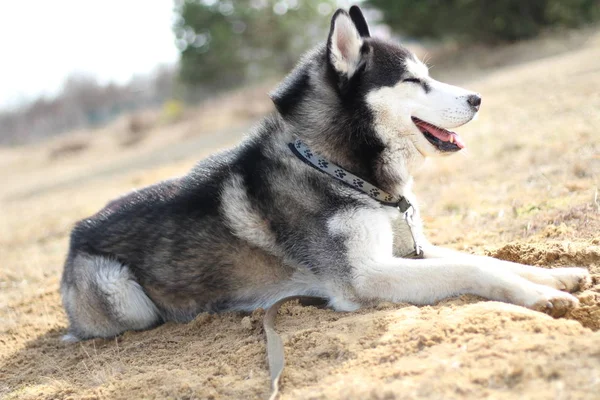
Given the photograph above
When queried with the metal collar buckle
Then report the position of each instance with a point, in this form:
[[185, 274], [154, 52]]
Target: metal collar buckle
[[409, 218]]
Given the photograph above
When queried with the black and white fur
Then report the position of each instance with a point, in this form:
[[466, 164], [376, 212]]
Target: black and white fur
[[249, 226]]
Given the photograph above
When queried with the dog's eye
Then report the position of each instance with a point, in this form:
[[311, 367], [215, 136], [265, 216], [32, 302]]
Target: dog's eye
[[414, 80]]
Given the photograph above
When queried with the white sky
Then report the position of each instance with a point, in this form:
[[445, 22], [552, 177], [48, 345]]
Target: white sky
[[43, 41]]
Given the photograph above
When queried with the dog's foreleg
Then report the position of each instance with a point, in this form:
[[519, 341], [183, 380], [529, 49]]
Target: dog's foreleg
[[430, 280], [567, 279]]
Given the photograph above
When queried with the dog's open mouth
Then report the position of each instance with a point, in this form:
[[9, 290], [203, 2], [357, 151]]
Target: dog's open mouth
[[442, 139]]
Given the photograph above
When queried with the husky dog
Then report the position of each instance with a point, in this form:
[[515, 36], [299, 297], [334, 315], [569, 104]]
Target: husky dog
[[316, 201]]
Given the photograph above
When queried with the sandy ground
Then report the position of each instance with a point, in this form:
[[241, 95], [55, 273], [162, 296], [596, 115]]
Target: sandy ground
[[526, 190]]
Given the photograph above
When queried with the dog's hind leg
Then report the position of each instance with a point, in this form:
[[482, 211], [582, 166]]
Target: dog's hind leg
[[103, 299]]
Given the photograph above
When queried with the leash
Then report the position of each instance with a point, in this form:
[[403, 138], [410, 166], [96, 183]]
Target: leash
[[275, 352], [305, 154]]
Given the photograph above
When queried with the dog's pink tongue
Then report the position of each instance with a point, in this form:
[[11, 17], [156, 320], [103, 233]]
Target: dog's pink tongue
[[443, 134]]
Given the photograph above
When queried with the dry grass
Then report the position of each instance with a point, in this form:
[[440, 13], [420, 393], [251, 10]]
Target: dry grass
[[527, 190]]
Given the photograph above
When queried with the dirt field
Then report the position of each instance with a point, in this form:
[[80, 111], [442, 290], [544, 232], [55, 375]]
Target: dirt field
[[526, 190]]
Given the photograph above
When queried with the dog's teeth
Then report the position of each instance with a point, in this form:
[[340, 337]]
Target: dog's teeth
[[451, 138]]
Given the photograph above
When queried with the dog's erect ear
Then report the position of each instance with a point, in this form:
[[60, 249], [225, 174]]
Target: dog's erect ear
[[344, 44], [359, 21]]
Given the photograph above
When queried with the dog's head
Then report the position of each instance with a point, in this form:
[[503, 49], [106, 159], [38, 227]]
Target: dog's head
[[375, 98]]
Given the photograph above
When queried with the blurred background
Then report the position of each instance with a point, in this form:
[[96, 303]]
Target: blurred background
[[101, 97], [79, 64]]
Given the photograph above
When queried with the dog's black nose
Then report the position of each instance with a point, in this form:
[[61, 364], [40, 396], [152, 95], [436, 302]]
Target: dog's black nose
[[474, 101]]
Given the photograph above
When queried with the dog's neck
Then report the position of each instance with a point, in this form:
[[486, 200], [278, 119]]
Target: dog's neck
[[320, 163], [385, 167]]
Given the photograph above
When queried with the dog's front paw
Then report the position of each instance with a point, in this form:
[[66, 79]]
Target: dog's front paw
[[553, 302], [570, 279]]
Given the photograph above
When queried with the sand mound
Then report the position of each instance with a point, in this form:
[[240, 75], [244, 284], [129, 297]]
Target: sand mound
[[551, 253], [564, 254], [447, 351]]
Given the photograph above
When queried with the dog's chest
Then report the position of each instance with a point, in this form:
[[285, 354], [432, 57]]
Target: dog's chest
[[382, 232]]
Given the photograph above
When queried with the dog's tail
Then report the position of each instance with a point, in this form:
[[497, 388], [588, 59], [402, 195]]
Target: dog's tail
[[103, 299]]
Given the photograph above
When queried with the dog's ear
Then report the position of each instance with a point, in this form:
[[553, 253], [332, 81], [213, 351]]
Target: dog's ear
[[359, 21], [344, 44]]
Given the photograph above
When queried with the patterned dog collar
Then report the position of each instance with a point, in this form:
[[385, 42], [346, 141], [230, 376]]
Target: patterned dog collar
[[304, 153]]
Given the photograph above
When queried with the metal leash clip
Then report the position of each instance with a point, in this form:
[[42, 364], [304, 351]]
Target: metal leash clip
[[408, 217]]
